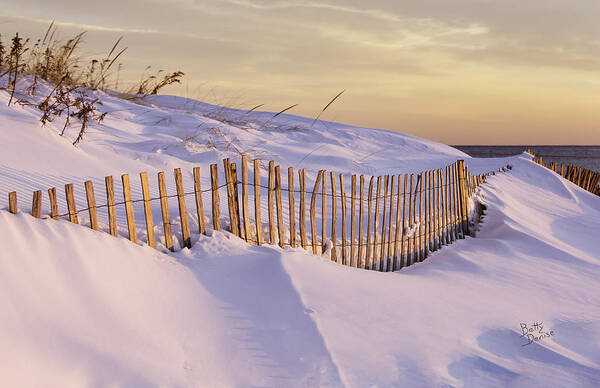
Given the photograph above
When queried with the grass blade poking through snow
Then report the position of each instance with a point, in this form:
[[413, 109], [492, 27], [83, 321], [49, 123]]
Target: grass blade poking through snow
[[327, 106]]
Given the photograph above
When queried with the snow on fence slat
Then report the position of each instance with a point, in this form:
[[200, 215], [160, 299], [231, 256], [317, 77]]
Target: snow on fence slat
[[408, 221]]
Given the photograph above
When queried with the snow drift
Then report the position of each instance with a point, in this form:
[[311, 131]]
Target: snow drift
[[81, 308]]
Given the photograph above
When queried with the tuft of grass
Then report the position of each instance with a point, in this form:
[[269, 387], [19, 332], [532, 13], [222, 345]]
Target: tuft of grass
[[71, 77]]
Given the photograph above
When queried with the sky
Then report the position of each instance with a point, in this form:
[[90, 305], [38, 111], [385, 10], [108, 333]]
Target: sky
[[458, 72]]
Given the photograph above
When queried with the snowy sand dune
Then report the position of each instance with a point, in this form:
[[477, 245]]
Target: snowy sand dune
[[81, 308]]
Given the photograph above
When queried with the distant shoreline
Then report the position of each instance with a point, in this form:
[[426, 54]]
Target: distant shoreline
[[579, 155]]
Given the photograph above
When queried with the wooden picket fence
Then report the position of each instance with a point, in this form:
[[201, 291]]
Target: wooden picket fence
[[401, 219], [585, 178]]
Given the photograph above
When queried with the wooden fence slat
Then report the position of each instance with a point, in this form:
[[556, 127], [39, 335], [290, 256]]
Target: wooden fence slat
[[426, 215], [185, 225], [344, 220], [445, 204], [463, 197], [53, 203], [71, 203], [271, 198], [313, 210], [369, 247], [257, 216], [390, 242], [214, 183], [36, 204], [148, 209], [398, 235], [452, 231], [324, 211], [442, 207], [410, 242], [457, 203], [91, 201], [292, 207], [128, 208], [280, 227], [302, 209], [110, 205], [436, 209], [403, 235], [382, 250], [245, 208], [432, 211], [333, 219], [230, 197], [199, 202], [353, 223], [164, 207], [12, 202], [376, 226], [236, 199], [423, 218], [359, 260]]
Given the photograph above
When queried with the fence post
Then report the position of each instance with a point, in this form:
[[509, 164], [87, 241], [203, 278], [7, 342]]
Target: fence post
[[448, 237], [71, 203], [313, 203], [423, 237], [230, 197], [128, 208], [214, 182], [91, 201], [412, 222], [333, 218], [292, 207], [185, 226], [359, 260], [164, 207], [419, 217], [456, 203], [344, 220], [53, 203], [199, 203], [259, 235], [110, 199], [376, 225], [271, 202], [369, 217], [148, 209], [438, 208], [236, 198], [397, 235], [429, 245], [389, 245], [324, 211], [36, 204], [245, 208], [279, 204], [382, 250], [353, 222], [403, 231], [12, 202], [463, 198], [302, 209]]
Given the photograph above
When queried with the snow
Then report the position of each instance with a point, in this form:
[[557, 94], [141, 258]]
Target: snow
[[82, 308]]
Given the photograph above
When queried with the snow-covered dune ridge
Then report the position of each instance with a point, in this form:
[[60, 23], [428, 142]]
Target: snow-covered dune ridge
[[82, 308]]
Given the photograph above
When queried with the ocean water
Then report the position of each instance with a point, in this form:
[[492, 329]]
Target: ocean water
[[584, 156]]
